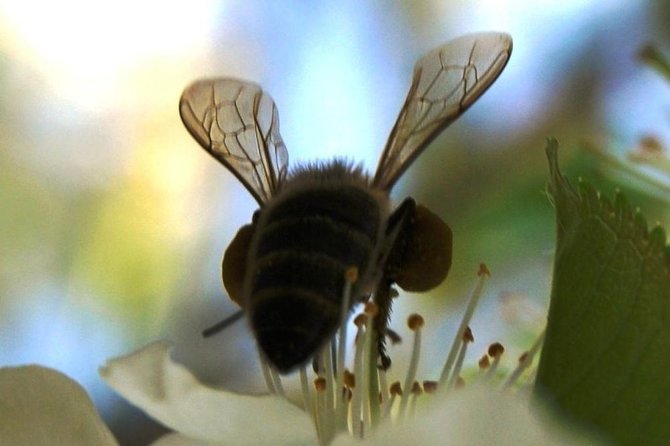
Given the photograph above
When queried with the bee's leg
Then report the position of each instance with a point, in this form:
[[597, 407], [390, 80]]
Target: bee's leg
[[393, 336], [220, 326], [383, 298], [390, 259]]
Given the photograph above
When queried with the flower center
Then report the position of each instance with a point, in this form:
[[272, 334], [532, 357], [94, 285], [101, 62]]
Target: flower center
[[357, 399]]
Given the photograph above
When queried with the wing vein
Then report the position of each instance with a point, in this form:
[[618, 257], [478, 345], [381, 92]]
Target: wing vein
[[446, 82], [228, 117]]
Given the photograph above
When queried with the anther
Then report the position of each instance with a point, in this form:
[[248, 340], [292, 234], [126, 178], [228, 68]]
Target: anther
[[484, 362], [351, 274], [371, 309], [483, 270], [320, 384], [396, 389], [525, 361], [496, 349], [349, 379], [360, 320], [430, 386], [467, 335], [456, 373], [448, 371], [416, 388], [415, 321]]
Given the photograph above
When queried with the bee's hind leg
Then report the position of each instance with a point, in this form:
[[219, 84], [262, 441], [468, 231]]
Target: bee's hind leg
[[391, 258]]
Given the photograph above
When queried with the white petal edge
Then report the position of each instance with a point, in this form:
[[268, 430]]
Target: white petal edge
[[473, 416], [41, 406], [175, 439], [168, 392]]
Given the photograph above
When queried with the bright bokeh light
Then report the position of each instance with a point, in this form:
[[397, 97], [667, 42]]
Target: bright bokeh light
[[88, 50], [341, 88]]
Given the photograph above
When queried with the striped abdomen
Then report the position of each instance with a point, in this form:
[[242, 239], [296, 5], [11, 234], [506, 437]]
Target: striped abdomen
[[303, 244]]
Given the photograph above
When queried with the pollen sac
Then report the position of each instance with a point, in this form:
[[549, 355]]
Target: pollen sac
[[427, 256], [234, 264]]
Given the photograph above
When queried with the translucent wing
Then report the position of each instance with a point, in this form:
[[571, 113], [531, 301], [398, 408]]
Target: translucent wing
[[446, 82], [238, 124]]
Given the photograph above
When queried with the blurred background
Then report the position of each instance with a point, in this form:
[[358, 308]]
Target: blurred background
[[114, 221]]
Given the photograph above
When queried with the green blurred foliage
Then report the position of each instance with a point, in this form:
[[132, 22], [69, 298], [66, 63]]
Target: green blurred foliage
[[125, 255]]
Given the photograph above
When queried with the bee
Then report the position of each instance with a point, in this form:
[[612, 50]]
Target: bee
[[286, 269]]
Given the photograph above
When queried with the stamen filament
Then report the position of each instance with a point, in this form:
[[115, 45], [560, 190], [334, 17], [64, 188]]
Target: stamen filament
[[265, 369], [388, 406], [367, 367], [385, 395], [372, 378], [356, 403], [329, 403], [415, 323], [416, 391], [496, 351], [467, 316], [467, 338], [395, 391], [351, 276], [321, 414], [525, 361], [527, 386], [306, 394], [276, 382]]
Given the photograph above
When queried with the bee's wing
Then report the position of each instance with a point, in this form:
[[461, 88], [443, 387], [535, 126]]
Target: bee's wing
[[446, 81], [238, 124]]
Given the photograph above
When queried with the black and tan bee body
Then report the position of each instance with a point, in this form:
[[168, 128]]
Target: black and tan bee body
[[287, 268], [314, 229]]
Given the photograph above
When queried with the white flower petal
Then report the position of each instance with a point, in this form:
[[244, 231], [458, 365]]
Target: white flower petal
[[175, 439], [41, 406], [168, 392], [472, 416]]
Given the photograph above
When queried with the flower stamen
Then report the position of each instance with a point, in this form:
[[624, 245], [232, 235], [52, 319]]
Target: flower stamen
[[361, 322], [416, 392], [357, 400], [368, 369], [525, 361], [430, 387], [484, 363], [456, 374], [276, 382], [326, 367], [321, 410], [350, 277], [395, 391], [385, 393], [306, 394], [475, 296], [267, 376], [415, 322], [495, 351]]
